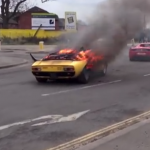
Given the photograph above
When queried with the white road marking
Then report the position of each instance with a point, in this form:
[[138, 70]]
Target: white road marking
[[72, 117], [29, 121], [80, 88], [146, 75], [52, 119]]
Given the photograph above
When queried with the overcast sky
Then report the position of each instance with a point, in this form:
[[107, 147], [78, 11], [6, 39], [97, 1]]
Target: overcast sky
[[83, 7]]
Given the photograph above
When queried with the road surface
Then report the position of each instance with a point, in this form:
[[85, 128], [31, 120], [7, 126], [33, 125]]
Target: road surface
[[123, 93]]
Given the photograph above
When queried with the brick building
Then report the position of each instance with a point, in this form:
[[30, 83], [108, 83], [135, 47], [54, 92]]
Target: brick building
[[24, 20]]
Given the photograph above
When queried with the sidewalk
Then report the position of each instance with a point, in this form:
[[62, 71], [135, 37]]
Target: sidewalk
[[136, 137], [7, 62]]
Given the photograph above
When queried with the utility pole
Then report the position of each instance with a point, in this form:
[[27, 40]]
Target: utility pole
[[144, 21], [144, 26]]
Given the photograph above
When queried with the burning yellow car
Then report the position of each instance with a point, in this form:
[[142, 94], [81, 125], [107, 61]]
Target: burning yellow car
[[68, 64]]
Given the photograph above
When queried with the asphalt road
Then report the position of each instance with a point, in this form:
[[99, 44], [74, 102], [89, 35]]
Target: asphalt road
[[123, 93]]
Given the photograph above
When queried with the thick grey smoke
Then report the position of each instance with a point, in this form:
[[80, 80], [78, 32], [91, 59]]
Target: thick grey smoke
[[111, 26]]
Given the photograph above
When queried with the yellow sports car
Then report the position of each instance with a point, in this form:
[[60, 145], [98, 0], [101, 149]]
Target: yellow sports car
[[68, 64]]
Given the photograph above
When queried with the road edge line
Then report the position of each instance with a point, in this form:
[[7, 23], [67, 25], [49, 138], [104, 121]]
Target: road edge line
[[91, 137]]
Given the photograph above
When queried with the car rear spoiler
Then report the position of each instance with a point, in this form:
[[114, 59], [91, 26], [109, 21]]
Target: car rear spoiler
[[34, 59]]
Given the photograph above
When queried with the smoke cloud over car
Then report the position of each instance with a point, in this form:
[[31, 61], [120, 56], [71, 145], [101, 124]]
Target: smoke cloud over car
[[112, 25]]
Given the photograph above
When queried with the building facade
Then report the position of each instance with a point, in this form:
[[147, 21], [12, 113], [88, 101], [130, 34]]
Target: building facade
[[25, 20], [32, 18]]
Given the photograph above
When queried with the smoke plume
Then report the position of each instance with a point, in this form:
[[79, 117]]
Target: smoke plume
[[112, 25]]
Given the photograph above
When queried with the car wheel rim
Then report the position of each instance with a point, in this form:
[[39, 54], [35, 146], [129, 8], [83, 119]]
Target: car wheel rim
[[86, 75]]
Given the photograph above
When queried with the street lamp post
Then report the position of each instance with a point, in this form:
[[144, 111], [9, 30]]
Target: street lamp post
[[144, 21]]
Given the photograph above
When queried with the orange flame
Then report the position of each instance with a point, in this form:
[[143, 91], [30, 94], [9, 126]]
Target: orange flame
[[83, 55], [89, 55], [66, 51]]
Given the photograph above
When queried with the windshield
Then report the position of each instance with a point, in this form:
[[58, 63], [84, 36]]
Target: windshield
[[145, 45]]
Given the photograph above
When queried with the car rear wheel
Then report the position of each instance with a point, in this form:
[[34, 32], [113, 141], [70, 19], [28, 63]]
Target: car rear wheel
[[41, 80], [104, 70], [131, 59], [84, 76]]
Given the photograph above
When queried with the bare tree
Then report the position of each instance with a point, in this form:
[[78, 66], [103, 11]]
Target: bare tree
[[10, 8]]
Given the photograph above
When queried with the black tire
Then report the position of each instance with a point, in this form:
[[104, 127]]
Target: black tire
[[41, 80], [131, 59], [104, 71], [84, 76]]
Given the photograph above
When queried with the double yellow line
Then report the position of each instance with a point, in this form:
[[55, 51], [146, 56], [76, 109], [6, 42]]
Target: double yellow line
[[101, 133]]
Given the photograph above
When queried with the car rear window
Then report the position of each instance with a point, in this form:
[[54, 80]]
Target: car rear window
[[145, 45]]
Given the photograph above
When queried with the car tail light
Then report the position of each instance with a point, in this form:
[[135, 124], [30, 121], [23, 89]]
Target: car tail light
[[69, 68], [36, 69]]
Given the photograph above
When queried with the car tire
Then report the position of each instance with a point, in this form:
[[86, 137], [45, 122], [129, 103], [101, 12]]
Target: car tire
[[84, 76], [41, 80], [131, 59], [104, 71]]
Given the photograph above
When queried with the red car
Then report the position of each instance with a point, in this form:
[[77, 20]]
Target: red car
[[140, 52]]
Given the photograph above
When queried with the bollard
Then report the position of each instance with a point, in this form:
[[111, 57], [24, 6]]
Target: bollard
[[41, 45]]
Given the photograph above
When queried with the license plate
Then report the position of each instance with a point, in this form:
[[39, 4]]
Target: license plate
[[52, 68], [141, 53]]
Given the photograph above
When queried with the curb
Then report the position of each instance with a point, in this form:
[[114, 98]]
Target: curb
[[6, 51], [14, 65], [13, 49], [89, 138]]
